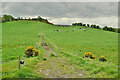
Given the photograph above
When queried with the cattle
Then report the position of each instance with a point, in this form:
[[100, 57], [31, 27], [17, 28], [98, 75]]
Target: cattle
[[57, 30]]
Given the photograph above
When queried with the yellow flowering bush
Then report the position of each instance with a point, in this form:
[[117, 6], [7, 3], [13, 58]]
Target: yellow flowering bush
[[86, 55], [102, 58], [29, 51], [30, 48], [90, 55], [36, 52]]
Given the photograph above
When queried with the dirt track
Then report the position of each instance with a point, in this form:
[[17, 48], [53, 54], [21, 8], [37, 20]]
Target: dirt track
[[57, 67]]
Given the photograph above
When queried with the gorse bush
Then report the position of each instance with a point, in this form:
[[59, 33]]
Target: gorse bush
[[30, 51], [102, 58], [90, 55], [36, 52]]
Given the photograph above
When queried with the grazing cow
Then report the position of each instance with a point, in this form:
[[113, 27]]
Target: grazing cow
[[57, 30], [79, 28]]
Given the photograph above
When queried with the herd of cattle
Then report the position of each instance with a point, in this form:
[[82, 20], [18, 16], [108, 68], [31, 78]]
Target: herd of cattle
[[71, 30]]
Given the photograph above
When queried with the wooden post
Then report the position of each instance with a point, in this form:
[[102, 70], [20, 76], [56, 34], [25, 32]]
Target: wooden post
[[18, 62]]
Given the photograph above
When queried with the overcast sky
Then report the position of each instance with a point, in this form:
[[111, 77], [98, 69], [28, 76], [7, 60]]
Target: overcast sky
[[100, 13]]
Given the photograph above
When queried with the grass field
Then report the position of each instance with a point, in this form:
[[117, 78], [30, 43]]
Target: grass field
[[68, 46]]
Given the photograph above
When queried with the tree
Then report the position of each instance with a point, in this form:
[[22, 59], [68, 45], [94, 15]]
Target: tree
[[7, 18], [88, 25], [39, 18], [98, 27], [84, 25], [29, 19], [18, 18], [105, 28], [46, 20]]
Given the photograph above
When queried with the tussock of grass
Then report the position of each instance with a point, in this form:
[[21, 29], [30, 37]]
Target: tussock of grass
[[52, 55]]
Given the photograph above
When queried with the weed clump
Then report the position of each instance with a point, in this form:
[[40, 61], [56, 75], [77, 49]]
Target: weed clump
[[52, 55], [102, 58], [44, 59]]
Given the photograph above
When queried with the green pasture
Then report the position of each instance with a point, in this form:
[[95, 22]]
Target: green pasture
[[18, 35]]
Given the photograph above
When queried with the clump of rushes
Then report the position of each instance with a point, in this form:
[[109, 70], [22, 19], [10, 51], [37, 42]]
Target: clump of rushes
[[29, 51], [102, 58], [36, 52]]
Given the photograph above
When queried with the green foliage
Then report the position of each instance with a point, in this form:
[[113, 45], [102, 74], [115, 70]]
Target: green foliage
[[77, 24], [18, 35], [44, 59], [109, 29], [88, 25], [39, 18], [52, 55], [7, 18]]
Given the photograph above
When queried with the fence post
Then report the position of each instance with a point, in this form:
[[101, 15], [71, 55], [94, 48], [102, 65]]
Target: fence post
[[18, 62]]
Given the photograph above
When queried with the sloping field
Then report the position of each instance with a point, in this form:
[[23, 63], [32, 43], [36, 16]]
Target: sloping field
[[67, 43]]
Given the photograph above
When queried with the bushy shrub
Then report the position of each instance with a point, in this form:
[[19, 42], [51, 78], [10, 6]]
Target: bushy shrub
[[29, 51], [102, 58], [86, 55], [36, 52], [90, 55]]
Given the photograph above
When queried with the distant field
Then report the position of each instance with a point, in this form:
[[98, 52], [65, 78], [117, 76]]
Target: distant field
[[18, 35]]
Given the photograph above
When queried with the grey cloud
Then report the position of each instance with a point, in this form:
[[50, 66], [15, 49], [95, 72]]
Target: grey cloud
[[61, 9], [102, 13]]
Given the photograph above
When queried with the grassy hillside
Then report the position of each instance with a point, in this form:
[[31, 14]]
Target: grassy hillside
[[68, 45]]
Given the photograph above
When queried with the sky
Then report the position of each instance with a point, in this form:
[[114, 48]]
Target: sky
[[99, 13]]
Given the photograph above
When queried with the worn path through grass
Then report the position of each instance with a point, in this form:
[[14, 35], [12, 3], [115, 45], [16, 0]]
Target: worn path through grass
[[57, 66]]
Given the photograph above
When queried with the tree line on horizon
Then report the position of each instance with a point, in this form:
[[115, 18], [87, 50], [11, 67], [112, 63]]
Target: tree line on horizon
[[6, 18], [106, 28]]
